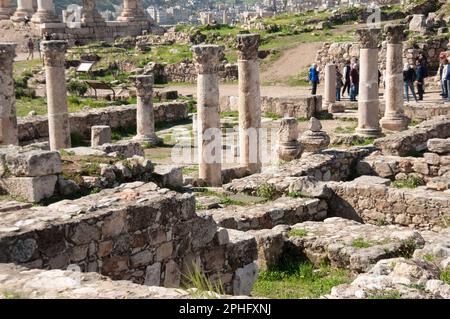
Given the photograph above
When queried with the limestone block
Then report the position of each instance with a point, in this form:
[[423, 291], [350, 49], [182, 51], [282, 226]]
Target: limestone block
[[168, 175], [101, 134], [31, 163], [244, 278], [439, 145], [32, 189], [125, 149]]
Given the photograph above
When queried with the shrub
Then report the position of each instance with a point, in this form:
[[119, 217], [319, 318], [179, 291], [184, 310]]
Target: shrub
[[77, 88]]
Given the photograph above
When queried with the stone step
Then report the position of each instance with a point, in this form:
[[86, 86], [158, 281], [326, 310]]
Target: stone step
[[284, 210]]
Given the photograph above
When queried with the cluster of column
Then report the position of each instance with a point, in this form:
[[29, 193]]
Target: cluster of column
[[394, 119], [58, 117], [145, 118], [206, 59], [8, 120], [249, 105], [368, 103]]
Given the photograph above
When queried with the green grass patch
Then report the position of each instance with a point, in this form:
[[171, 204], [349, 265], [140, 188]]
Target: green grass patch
[[272, 116], [445, 276], [229, 114], [362, 243], [384, 294], [297, 232], [410, 182], [294, 278], [267, 191]]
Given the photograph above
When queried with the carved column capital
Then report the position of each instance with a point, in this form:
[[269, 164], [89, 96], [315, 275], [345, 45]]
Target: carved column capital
[[143, 84], [368, 38], [206, 58], [247, 45], [54, 52], [394, 33]]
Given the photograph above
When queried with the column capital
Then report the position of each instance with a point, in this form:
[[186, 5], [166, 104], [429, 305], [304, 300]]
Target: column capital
[[54, 52], [368, 38], [394, 33], [7, 51], [206, 58], [143, 84], [247, 45]]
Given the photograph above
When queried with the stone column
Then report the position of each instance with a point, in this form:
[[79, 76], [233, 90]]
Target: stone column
[[5, 9], [89, 13], [249, 102], [132, 11], [225, 17], [145, 118], [330, 86], [45, 12], [58, 118], [24, 8], [288, 146], [368, 103], [394, 119], [8, 120], [206, 58]]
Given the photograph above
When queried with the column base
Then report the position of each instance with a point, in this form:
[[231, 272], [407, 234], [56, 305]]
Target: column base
[[19, 15], [40, 18], [5, 13], [131, 17], [368, 132], [394, 123], [153, 140]]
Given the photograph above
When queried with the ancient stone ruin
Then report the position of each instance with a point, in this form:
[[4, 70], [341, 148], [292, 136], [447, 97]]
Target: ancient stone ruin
[[230, 190]]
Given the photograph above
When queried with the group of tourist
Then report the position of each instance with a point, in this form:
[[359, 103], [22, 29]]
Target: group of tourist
[[347, 81]]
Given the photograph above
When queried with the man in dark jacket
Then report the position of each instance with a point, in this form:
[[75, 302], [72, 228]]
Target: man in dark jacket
[[420, 78], [409, 76], [346, 78], [354, 82]]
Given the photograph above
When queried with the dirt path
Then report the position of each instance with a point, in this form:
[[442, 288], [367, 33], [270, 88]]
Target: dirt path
[[291, 62]]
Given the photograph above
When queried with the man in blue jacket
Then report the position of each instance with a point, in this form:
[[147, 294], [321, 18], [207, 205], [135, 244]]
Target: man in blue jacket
[[314, 78]]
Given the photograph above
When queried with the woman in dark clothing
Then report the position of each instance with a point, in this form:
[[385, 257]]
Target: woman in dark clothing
[[409, 77], [420, 79], [354, 82]]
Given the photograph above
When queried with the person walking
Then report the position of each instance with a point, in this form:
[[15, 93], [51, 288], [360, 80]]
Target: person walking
[[26, 21], [314, 78], [30, 46], [409, 77], [354, 82], [439, 76], [420, 79], [346, 78], [339, 85]]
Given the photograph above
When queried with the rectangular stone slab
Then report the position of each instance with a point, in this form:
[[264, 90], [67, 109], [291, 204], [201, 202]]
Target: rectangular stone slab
[[31, 189]]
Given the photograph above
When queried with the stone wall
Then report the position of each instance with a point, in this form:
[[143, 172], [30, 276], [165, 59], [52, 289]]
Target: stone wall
[[36, 127], [415, 139], [184, 71], [372, 200], [134, 232], [294, 106], [109, 31], [340, 52]]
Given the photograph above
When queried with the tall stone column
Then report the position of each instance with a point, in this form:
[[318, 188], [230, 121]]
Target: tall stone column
[[8, 120], [394, 119], [249, 102], [225, 17], [45, 12], [368, 103], [58, 118], [132, 11], [145, 118], [24, 8], [330, 86], [206, 58], [5, 9], [89, 13]]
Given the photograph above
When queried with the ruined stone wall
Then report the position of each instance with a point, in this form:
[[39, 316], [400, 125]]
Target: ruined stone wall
[[109, 31], [415, 139], [380, 204], [134, 232], [304, 106], [340, 52], [35, 127]]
